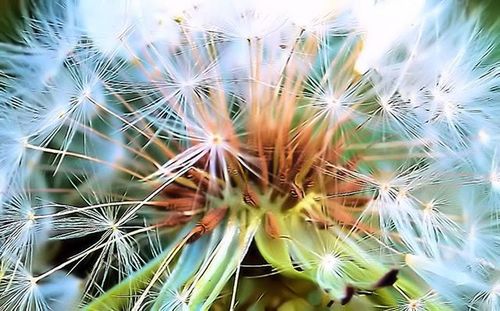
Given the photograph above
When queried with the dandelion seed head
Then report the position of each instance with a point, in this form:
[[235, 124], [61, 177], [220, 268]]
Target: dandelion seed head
[[484, 137], [330, 263], [384, 22], [495, 180], [190, 152]]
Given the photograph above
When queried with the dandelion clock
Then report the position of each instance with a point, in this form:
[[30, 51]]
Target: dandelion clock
[[249, 155]]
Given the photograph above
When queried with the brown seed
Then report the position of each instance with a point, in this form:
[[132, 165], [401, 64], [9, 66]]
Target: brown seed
[[175, 219], [349, 293], [309, 183], [181, 204], [211, 219], [296, 192], [190, 174], [387, 279], [283, 177], [250, 198], [271, 225]]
